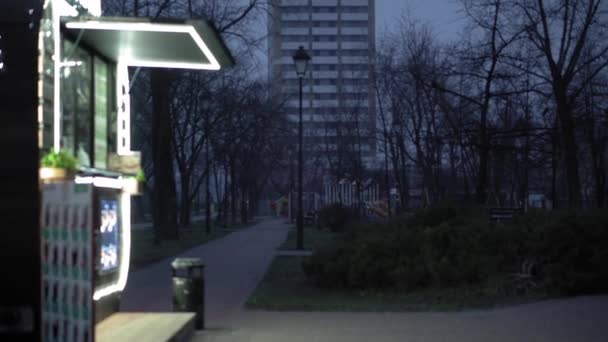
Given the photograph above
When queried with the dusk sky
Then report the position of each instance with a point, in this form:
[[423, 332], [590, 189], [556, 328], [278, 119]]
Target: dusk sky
[[443, 15]]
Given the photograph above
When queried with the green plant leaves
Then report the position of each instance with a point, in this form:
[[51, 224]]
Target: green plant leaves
[[62, 159]]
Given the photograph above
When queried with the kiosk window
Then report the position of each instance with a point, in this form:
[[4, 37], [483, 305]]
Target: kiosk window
[[88, 106], [77, 104]]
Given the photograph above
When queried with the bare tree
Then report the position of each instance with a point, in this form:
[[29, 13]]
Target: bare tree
[[565, 33]]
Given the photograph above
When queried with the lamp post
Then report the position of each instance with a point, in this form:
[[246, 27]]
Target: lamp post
[[300, 59]]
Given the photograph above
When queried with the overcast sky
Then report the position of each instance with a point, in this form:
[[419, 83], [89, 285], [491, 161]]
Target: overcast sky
[[443, 15]]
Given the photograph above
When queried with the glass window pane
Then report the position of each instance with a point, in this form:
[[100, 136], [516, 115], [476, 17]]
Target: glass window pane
[[77, 107]]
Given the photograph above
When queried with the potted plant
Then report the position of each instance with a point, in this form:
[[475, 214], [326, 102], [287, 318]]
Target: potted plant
[[135, 184], [57, 165]]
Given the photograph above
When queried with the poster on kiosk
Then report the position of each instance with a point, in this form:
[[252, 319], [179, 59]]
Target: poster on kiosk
[[84, 116]]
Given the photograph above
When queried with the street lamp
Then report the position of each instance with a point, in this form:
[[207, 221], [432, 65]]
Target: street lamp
[[300, 59]]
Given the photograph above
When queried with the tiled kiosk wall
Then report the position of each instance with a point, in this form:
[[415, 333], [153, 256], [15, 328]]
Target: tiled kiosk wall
[[67, 264]]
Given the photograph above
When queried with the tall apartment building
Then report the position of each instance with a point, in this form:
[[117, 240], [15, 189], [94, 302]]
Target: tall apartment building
[[338, 96]]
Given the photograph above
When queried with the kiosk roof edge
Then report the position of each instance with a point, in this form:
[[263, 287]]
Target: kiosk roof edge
[[191, 44]]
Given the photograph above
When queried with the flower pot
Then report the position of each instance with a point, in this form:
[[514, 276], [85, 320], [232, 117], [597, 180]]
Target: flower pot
[[55, 174], [133, 186]]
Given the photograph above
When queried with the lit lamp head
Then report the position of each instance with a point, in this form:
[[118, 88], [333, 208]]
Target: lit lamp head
[[301, 58]]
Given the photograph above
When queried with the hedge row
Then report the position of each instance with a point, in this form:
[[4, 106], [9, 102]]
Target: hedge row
[[560, 253]]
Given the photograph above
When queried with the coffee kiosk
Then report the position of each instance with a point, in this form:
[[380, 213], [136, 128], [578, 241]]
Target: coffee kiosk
[[69, 67]]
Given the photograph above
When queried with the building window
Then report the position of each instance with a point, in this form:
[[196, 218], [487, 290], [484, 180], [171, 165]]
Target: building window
[[294, 23], [295, 9], [354, 38], [354, 9], [324, 23], [354, 23], [325, 97], [325, 81], [325, 9], [323, 38], [295, 38], [324, 67], [324, 53], [355, 53], [355, 67]]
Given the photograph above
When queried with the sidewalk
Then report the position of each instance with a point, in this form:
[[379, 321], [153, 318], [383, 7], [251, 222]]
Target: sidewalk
[[583, 319], [234, 266]]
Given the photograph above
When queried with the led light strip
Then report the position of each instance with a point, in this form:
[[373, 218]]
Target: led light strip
[[123, 118], [60, 8], [125, 208], [154, 27], [123, 271], [101, 182]]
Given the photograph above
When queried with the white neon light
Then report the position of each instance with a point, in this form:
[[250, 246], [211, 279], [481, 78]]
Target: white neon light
[[62, 8], [101, 182], [125, 206], [123, 271], [154, 27], [70, 64], [123, 111], [59, 7]]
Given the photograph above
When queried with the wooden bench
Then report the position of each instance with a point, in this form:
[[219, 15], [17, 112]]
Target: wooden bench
[[504, 214]]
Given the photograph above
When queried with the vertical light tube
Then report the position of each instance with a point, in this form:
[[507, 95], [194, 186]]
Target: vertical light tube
[[123, 129], [57, 78]]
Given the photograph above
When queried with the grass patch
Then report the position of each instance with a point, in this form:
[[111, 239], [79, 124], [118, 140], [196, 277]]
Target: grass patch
[[145, 252], [313, 238], [285, 287]]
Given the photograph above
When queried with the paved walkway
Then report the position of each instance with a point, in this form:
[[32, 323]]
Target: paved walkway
[[234, 266], [583, 319]]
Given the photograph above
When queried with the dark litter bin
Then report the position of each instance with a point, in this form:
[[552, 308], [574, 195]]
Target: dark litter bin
[[189, 288]]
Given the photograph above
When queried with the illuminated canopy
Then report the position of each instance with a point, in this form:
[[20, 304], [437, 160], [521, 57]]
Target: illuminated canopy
[[192, 44]]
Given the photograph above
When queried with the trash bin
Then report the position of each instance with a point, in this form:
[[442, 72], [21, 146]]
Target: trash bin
[[189, 288]]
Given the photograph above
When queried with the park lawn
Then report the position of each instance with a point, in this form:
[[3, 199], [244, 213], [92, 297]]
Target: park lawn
[[285, 288], [145, 252], [313, 238]]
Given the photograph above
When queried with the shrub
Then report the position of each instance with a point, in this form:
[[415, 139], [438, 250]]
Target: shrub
[[61, 159], [336, 217], [559, 253], [573, 253], [434, 216]]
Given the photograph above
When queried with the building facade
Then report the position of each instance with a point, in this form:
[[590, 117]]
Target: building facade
[[338, 95]]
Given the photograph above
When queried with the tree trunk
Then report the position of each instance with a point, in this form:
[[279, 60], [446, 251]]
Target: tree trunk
[[570, 153], [484, 154], [207, 189], [233, 194], [185, 205], [243, 206], [164, 196], [554, 162]]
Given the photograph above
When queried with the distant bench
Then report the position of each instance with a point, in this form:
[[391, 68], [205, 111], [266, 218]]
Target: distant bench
[[504, 214], [310, 218]]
